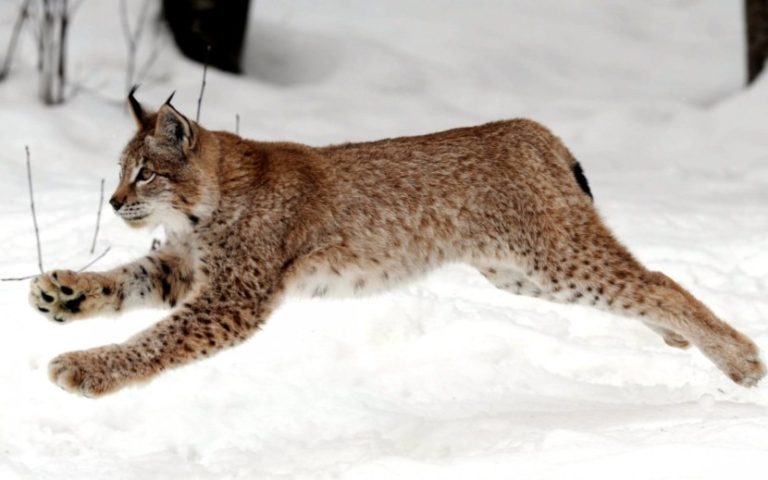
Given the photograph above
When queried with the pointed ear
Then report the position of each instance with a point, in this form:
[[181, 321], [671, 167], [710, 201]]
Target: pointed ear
[[175, 128], [137, 112]]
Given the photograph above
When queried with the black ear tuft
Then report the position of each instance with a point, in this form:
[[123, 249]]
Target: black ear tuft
[[137, 112], [168, 102]]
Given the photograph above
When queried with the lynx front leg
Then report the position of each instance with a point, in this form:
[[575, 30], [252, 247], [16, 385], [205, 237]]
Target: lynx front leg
[[197, 330], [164, 277]]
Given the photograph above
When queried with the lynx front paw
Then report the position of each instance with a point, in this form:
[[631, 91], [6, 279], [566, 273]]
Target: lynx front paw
[[64, 295], [90, 373]]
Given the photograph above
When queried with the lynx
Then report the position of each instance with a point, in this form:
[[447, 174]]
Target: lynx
[[249, 223]]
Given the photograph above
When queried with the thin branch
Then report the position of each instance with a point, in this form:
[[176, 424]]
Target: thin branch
[[17, 279], [89, 264], [62, 71], [202, 87], [37, 231], [132, 38], [131, 44], [27, 277], [98, 217], [23, 15], [237, 123], [34, 216], [96, 259]]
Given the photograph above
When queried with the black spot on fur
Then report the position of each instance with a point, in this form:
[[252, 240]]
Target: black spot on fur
[[166, 288], [66, 291], [46, 297], [165, 267], [581, 179], [44, 310], [74, 304], [106, 291], [193, 219]]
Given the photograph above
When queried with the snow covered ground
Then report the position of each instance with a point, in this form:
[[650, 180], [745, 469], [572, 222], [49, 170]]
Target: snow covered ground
[[448, 377]]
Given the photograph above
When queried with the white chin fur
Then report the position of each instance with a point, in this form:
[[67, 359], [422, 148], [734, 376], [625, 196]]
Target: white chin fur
[[174, 222]]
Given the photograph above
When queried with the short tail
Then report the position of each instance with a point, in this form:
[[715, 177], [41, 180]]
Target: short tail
[[581, 179]]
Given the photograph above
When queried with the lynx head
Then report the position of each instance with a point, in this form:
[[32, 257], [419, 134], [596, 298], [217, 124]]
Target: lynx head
[[165, 177]]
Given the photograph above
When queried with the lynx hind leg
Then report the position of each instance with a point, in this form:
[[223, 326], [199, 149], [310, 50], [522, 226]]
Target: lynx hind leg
[[513, 280], [600, 272], [733, 352]]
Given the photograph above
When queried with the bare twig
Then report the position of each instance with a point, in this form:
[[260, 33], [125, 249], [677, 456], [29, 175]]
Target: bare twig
[[96, 259], [17, 279], [54, 18], [89, 264], [23, 15], [62, 71], [41, 36], [37, 230], [132, 38], [131, 44], [237, 123], [202, 86], [32, 206], [98, 217]]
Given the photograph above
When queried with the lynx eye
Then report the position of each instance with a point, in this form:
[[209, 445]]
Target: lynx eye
[[145, 175]]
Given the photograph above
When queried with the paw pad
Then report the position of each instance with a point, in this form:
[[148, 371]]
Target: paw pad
[[62, 295]]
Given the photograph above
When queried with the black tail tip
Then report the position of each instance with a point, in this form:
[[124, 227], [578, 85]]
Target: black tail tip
[[581, 179]]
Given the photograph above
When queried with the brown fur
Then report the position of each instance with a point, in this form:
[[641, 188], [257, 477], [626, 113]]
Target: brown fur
[[250, 221]]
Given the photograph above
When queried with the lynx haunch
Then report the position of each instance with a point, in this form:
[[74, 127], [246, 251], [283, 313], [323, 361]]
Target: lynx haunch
[[250, 222]]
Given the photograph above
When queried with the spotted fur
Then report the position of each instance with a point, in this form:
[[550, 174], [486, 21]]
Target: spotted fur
[[251, 221]]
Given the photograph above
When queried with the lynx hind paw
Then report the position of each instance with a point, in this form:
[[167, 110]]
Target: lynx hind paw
[[739, 358], [747, 372], [63, 295]]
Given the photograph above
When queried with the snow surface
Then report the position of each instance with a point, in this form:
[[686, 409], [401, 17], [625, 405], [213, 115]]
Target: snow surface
[[448, 377]]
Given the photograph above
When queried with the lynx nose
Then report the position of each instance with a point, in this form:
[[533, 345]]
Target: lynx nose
[[116, 204]]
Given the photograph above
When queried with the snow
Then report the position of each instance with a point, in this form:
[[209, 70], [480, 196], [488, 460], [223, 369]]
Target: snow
[[448, 377]]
